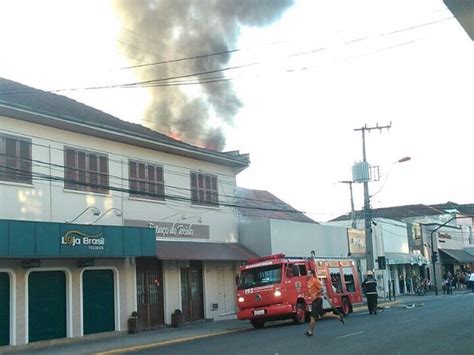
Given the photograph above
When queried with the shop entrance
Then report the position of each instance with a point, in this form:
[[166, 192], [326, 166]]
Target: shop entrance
[[98, 301], [191, 292], [46, 305], [4, 309], [150, 293]]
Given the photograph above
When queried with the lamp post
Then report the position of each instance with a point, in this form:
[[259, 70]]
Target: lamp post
[[434, 257], [352, 201]]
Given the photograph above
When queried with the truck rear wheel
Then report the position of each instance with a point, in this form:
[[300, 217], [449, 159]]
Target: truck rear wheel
[[300, 314], [257, 323]]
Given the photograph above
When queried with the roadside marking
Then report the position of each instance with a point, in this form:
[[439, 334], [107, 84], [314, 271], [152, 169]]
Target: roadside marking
[[408, 320], [166, 342], [349, 335]]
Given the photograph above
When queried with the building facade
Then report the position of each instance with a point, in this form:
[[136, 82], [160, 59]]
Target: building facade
[[90, 201]]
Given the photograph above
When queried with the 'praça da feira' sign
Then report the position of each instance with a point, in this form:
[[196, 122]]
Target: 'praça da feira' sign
[[75, 238], [173, 229]]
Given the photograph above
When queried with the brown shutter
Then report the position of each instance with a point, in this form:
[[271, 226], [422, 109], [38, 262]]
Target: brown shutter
[[215, 193], [81, 171], [25, 161], [11, 167], [194, 187], [132, 176], [160, 185], [71, 172], [92, 172], [104, 174]]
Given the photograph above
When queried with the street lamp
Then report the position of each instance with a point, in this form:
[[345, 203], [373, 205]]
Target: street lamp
[[368, 214], [95, 212], [117, 212], [402, 160]]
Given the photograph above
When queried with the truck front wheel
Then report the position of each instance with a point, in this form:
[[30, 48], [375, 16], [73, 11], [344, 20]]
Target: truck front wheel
[[300, 314], [346, 307], [257, 323]]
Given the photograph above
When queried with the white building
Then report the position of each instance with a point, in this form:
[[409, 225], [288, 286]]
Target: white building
[[403, 236], [92, 205], [269, 226]]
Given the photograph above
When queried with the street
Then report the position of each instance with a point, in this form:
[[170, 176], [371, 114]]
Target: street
[[442, 325]]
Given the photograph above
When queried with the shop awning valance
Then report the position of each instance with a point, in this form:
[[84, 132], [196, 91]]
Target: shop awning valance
[[184, 250], [458, 255], [405, 258]]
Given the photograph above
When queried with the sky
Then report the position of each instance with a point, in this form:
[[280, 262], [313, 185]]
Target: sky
[[299, 78]]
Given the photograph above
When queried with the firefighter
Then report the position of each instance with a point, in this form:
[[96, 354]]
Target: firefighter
[[316, 293], [370, 289]]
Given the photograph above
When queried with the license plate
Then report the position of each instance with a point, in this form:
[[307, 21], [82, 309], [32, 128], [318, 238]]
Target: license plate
[[259, 312]]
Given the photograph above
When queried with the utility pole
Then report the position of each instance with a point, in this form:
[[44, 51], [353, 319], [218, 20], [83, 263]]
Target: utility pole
[[367, 210]]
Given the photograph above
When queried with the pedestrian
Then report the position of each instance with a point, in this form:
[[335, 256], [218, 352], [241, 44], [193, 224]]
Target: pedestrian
[[370, 289], [449, 284], [316, 293], [471, 282]]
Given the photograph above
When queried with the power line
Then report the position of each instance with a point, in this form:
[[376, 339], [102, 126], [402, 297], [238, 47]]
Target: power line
[[46, 177]]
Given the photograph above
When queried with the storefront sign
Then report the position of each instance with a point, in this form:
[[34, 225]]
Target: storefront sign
[[356, 239], [173, 230], [93, 242], [31, 239]]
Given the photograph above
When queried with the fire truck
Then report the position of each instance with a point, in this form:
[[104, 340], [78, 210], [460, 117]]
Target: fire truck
[[275, 287]]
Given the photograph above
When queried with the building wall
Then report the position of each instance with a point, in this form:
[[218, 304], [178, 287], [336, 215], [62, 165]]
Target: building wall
[[256, 235], [298, 239], [124, 280], [49, 201], [394, 235], [266, 237], [220, 289]]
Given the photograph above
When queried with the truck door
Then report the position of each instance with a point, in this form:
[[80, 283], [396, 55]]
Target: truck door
[[292, 283]]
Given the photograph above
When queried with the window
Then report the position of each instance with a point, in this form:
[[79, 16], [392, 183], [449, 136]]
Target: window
[[15, 159], [349, 279], [260, 276], [86, 171], [146, 180], [336, 279], [204, 189]]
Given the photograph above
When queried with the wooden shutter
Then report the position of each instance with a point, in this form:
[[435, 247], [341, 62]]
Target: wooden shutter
[[71, 172], [132, 176], [104, 174], [25, 161], [194, 188]]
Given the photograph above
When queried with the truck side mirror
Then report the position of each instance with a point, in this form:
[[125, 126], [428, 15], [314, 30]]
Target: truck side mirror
[[237, 279]]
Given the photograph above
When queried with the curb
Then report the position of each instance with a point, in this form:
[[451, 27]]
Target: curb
[[167, 342]]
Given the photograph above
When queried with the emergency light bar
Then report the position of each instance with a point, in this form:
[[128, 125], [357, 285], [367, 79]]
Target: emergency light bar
[[265, 258]]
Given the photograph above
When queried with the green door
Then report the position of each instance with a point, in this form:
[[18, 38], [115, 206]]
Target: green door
[[46, 305], [4, 309], [98, 301]]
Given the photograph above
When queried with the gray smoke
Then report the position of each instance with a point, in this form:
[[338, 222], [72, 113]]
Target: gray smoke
[[157, 30]]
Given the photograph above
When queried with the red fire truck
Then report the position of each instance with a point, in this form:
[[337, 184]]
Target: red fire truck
[[275, 287]]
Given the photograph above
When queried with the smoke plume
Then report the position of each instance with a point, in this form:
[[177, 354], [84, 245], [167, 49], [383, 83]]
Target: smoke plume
[[163, 30]]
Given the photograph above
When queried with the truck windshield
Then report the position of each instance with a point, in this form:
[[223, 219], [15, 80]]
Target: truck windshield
[[260, 276]]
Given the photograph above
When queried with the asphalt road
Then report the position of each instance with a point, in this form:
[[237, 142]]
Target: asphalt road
[[443, 325]]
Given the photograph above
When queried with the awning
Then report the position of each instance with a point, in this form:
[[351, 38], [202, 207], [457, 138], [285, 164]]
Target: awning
[[458, 255], [32, 239], [174, 250], [404, 258]]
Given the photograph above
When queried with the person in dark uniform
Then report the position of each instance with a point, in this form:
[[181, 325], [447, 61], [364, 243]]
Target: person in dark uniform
[[370, 289]]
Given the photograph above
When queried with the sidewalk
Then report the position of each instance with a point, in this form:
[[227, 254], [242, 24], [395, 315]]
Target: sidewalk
[[108, 343]]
